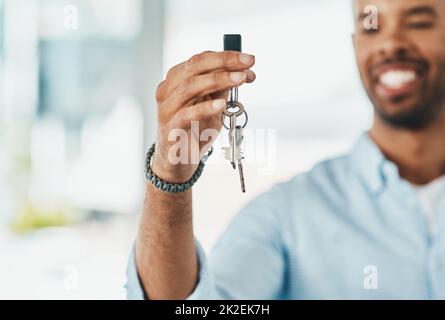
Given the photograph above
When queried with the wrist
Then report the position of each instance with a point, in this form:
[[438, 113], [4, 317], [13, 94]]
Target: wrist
[[173, 173], [172, 180]]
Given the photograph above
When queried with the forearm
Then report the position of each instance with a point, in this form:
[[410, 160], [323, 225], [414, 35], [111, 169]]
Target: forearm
[[193, 91], [165, 249]]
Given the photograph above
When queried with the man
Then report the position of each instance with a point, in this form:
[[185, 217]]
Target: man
[[370, 224]]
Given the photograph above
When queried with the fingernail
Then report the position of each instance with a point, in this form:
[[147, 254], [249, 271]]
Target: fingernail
[[219, 104], [246, 58], [251, 76], [237, 76]]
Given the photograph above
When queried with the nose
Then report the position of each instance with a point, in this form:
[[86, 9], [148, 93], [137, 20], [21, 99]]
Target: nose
[[394, 45]]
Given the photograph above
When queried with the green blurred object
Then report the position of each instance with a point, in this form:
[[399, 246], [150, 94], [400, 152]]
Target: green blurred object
[[30, 218]]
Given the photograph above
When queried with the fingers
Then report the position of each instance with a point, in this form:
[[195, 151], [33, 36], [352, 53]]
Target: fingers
[[209, 61], [200, 112], [203, 85], [251, 76], [224, 94], [205, 62]]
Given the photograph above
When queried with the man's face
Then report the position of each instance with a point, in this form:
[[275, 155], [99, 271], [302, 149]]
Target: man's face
[[402, 64]]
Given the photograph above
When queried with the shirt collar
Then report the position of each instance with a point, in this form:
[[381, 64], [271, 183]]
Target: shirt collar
[[370, 164]]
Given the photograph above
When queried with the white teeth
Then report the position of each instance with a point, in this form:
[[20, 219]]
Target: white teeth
[[397, 79]]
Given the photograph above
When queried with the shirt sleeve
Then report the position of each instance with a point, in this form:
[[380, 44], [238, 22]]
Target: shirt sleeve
[[248, 261], [134, 284]]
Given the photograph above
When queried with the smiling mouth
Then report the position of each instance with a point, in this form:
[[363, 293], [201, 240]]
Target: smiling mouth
[[396, 81]]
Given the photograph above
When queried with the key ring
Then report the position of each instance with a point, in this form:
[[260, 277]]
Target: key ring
[[241, 111]]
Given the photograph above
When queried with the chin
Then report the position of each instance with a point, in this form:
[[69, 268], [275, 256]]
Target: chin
[[399, 108], [405, 116]]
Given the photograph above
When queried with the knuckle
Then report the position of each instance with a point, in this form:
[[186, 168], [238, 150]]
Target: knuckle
[[195, 59], [162, 118], [183, 86], [160, 91], [205, 55], [172, 71], [203, 109], [215, 77], [221, 59], [227, 57], [214, 80], [184, 117]]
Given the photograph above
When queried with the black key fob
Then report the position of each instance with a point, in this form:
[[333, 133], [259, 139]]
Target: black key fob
[[232, 42]]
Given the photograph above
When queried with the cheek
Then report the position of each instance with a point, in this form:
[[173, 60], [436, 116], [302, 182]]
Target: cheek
[[363, 64], [432, 48], [436, 59]]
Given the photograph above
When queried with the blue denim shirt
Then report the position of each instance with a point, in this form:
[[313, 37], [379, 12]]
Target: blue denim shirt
[[350, 228]]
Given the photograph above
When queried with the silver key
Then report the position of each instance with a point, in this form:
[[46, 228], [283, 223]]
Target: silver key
[[235, 151], [232, 153], [234, 109], [239, 157], [233, 141]]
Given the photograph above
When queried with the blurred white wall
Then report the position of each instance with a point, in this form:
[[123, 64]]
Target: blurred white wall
[[75, 108]]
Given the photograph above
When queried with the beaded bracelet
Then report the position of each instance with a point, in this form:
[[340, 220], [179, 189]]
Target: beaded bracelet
[[173, 187]]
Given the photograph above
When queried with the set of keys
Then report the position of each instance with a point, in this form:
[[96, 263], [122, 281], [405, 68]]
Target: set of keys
[[233, 112]]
